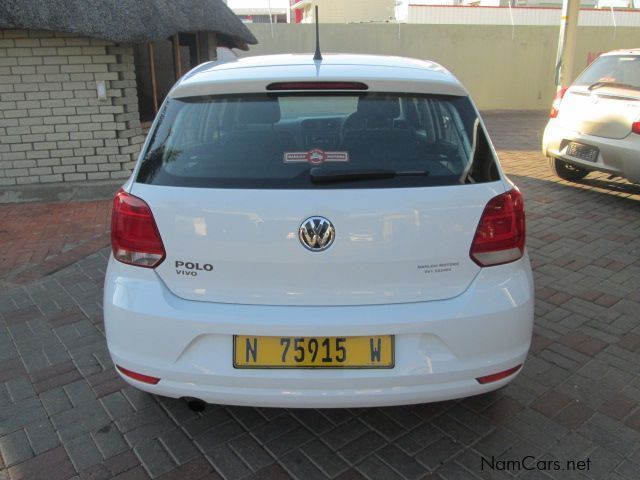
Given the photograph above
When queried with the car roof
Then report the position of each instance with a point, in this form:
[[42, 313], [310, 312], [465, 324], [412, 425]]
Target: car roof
[[623, 51], [379, 72]]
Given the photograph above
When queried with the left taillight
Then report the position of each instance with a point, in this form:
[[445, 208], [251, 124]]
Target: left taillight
[[555, 108], [135, 239]]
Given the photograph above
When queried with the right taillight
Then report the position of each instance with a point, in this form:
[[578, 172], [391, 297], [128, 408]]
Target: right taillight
[[500, 236], [555, 108], [134, 236], [635, 127]]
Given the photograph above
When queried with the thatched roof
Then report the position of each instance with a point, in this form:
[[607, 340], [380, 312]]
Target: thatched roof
[[125, 21]]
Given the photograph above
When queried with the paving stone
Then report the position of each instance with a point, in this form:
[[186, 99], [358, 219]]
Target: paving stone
[[471, 420], [251, 452], [455, 429], [55, 401], [291, 440], [211, 418], [139, 399], [247, 416], [121, 463], [361, 447], [418, 438], [343, 434], [227, 462], [20, 388], [80, 420], [154, 458], [79, 392], [83, 452], [505, 407], [15, 448], [218, 435], [179, 446], [337, 416], [177, 409], [272, 472], [495, 443], [402, 463], [628, 469], [116, 405], [16, 416], [110, 441], [53, 465], [381, 423], [275, 428], [136, 473], [195, 469], [312, 420], [438, 452], [153, 429], [603, 462], [300, 467], [324, 458], [374, 469], [604, 430], [42, 436]]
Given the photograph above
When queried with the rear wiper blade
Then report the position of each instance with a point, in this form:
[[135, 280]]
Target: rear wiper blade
[[325, 175], [595, 86]]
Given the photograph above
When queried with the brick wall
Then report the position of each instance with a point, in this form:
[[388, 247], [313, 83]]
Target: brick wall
[[53, 128]]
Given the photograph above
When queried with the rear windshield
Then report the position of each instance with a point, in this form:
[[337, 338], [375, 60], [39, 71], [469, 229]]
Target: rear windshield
[[282, 140], [615, 69]]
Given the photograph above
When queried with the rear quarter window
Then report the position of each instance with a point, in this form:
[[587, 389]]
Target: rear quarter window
[[274, 140]]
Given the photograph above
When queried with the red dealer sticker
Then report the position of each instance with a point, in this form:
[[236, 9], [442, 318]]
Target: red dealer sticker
[[315, 156]]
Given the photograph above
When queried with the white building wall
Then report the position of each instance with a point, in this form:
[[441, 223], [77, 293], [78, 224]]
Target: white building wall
[[521, 16], [258, 7]]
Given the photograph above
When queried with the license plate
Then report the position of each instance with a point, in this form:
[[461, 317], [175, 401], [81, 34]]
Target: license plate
[[584, 152], [313, 352]]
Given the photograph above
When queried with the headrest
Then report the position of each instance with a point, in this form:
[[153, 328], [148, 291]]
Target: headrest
[[379, 107], [259, 110]]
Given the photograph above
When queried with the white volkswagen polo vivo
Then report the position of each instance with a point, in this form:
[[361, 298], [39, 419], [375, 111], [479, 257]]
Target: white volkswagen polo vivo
[[332, 233]]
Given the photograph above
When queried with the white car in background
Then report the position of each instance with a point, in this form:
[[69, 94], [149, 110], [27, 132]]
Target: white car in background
[[595, 123], [331, 233]]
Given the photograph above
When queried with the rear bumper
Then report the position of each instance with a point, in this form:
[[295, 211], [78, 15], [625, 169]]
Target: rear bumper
[[617, 156], [441, 346]]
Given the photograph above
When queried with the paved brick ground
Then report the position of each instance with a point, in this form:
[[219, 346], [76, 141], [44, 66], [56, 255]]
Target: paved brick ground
[[65, 414], [39, 238]]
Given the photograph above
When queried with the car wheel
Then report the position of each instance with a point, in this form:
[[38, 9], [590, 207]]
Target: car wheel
[[566, 171]]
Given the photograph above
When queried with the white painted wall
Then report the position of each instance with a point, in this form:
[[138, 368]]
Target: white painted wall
[[258, 7], [467, 15]]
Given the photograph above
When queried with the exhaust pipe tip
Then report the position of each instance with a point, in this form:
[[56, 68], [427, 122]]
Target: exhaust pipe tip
[[195, 404]]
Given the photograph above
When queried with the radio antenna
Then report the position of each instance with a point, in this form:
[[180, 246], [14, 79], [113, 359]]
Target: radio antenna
[[318, 55]]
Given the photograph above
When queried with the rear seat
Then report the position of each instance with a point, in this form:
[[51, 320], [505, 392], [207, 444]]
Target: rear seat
[[374, 124], [254, 134]]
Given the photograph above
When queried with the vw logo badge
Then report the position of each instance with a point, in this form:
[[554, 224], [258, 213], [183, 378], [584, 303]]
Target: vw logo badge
[[316, 234]]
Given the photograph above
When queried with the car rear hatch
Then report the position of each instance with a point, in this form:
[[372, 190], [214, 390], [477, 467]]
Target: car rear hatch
[[403, 179], [607, 112], [396, 245], [605, 99]]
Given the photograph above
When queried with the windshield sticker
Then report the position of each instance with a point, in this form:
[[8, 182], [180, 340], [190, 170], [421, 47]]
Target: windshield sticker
[[315, 157]]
